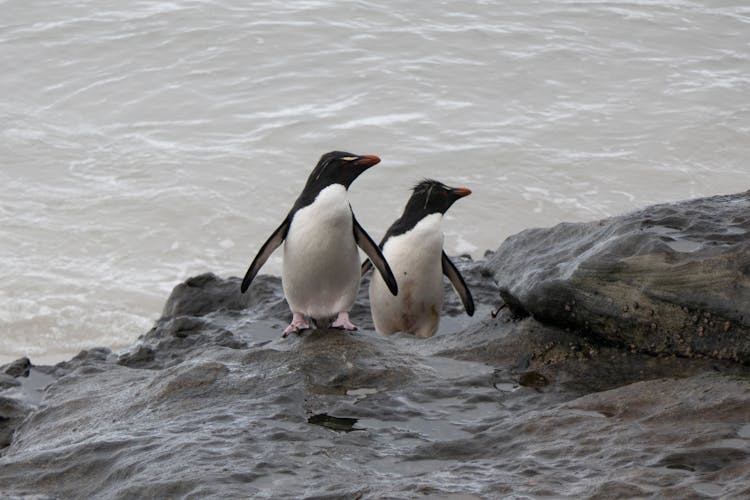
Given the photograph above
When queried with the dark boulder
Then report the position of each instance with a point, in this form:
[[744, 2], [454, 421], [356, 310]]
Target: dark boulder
[[18, 368], [668, 279]]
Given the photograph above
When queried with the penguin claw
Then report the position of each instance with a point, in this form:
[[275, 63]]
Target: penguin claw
[[343, 323], [293, 329], [350, 327], [297, 325]]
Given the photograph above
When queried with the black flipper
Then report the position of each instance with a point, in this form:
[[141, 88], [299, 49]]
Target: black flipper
[[366, 266], [271, 244], [459, 284], [376, 256]]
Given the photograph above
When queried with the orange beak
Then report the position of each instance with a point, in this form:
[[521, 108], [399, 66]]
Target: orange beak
[[368, 160], [461, 192]]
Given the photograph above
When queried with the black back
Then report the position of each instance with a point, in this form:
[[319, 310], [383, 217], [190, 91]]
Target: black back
[[335, 167], [428, 197]]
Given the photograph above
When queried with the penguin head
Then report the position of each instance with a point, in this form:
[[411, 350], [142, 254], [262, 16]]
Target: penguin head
[[431, 196], [339, 167]]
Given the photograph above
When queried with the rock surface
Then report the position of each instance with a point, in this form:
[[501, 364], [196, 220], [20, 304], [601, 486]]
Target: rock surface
[[213, 403], [669, 279]]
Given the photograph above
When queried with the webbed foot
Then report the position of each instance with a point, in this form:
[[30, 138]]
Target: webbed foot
[[297, 325], [343, 322]]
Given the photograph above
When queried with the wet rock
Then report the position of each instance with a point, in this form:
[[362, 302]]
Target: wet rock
[[669, 279], [174, 339], [223, 402], [21, 385], [533, 379], [138, 357], [207, 293], [569, 361], [342, 424], [12, 413], [18, 368], [6, 381], [87, 360], [213, 403]]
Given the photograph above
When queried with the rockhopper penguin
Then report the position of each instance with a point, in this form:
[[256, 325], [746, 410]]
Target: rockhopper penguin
[[320, 270], [413, 246]]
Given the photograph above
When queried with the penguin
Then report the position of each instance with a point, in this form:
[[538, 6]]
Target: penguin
[[321, 268], [413, 246]]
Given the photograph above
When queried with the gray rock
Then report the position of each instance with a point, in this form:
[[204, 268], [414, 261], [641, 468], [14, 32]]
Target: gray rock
[[669, 279], [213, 403], [211, 414], [12, 413], [207, 293], [6, 381], [196, 315], [333, 414], [18, 368]]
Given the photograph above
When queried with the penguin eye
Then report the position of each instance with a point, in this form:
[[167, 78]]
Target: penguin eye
[[349, 158]]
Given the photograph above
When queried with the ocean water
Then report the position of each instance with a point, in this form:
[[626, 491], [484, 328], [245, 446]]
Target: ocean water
[[144, 142]]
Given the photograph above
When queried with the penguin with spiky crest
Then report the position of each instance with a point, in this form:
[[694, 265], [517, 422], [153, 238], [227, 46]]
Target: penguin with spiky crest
[[413, 246], [321, 267]]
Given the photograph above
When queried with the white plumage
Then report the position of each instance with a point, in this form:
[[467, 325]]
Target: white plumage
[[321, 272], [415, 259]]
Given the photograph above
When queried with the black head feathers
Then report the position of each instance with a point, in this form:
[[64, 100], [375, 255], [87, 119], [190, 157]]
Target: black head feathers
[[431, 196], [428, 197], [339, 167], [336, 167]]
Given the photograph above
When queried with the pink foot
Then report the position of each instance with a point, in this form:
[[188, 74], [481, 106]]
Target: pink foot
[[298, 324], [343, 322]]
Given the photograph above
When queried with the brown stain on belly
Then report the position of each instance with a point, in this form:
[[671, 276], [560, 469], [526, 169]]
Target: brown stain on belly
[[407, 300]]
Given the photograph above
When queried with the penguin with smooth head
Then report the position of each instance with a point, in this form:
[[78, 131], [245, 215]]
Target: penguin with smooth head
[[321, 267], [413, 246]]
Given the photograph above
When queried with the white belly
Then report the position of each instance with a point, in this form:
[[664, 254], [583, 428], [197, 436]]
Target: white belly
[[415, 259], [320, 273]]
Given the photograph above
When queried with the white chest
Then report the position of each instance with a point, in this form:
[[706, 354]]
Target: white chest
[[419, 249], [329, 216], [415, 258], [320, 274]]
